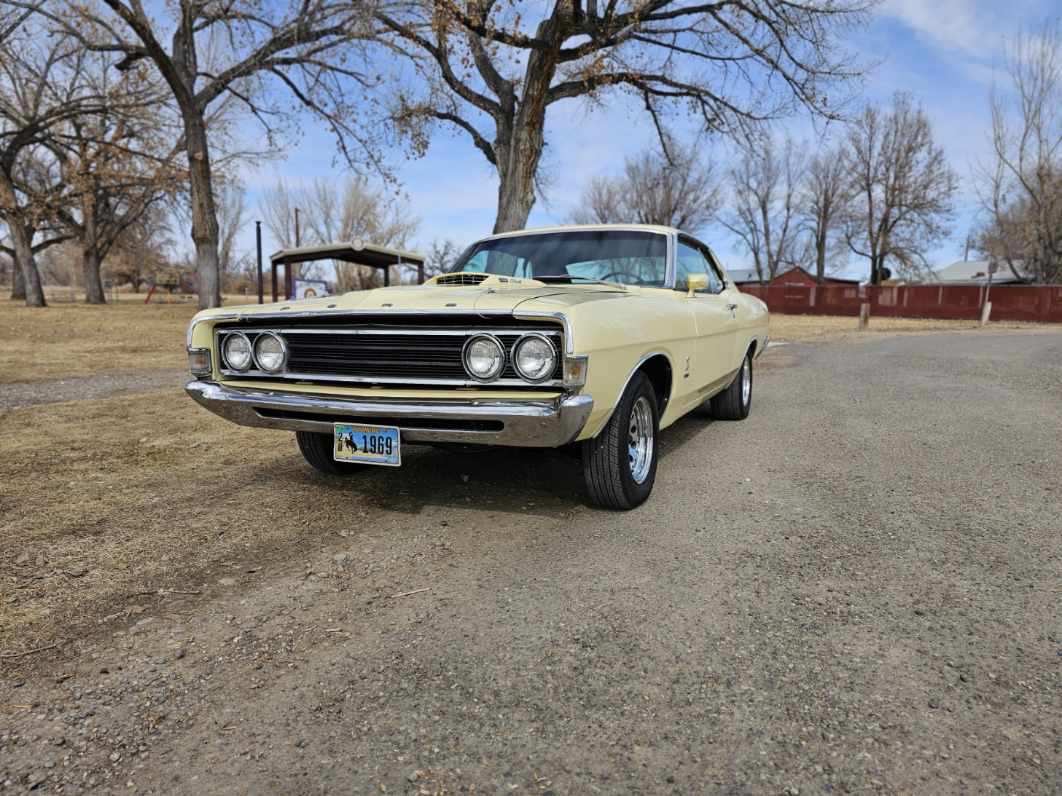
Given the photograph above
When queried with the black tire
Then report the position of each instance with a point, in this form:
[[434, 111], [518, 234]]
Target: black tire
[[606, 463], [731, 403], [317, 451]]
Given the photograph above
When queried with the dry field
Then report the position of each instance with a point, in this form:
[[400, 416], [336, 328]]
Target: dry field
[[103, 499]]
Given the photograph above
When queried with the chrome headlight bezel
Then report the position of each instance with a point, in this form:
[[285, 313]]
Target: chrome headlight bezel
[[496, 374], [225, 352], [283, 353], [547, 374]]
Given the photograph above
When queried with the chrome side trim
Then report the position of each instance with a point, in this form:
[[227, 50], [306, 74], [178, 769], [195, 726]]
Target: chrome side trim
[[670, 269], [531, 423]]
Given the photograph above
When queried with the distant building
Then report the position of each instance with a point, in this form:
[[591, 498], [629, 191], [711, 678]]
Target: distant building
[[792, 276], [976, 272], [743, 276]]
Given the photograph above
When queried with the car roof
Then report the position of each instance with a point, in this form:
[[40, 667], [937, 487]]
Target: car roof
[[656, 228]]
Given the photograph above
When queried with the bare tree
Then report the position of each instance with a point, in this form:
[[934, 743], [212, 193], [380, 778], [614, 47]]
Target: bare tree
[[40, 92], [441, 256], [332, 212], [114, 162], [823, 204], [230, 204], [140, 253], [764, 184], [681, 191], [494, 70], [277, 208], [357, 210], [1024, 200], [302, 46], [902, 188]]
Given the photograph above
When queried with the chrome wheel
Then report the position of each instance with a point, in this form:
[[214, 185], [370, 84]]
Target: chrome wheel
[[746, 383], [640, 440]]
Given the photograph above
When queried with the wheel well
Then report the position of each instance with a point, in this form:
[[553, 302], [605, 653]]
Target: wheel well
[[658, 369], [752, 348]]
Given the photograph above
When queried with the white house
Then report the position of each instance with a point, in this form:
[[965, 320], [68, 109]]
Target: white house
[[976, 272]]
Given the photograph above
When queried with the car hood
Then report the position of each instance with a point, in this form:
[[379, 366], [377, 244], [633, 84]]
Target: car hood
[[526, 296]]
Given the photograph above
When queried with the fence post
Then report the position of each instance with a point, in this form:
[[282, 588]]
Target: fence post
[[864, 315]]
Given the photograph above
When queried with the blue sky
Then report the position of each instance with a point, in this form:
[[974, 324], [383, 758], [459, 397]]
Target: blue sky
[[947, 53]]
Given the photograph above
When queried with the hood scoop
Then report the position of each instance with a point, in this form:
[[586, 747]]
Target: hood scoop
[[459, 279], [470, 279]]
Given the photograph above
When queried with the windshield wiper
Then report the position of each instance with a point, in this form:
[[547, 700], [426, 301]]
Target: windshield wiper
[[565, 278]]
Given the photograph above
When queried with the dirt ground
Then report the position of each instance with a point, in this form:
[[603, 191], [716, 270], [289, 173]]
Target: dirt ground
[[862, 596]]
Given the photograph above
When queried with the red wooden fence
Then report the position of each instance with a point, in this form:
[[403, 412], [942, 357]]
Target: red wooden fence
[[954, 302]]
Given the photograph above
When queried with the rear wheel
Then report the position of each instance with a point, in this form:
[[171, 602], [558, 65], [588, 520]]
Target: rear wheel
[[619, 464], [317, 450], [734, 402]]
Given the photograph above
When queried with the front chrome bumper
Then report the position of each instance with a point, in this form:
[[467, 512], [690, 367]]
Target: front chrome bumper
[[532, 424]]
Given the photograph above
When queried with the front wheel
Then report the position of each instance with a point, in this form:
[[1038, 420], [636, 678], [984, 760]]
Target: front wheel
[[317, 451], [619, 464], [735, 401]]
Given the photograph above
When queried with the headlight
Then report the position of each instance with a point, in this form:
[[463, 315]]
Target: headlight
[[484, 358], [237, 351], [270, 352], [534, 357]]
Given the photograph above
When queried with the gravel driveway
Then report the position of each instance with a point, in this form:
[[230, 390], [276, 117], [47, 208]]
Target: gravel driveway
[[857, 589]]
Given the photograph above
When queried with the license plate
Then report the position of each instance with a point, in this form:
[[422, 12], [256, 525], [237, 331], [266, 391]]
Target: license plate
[[367, 445]]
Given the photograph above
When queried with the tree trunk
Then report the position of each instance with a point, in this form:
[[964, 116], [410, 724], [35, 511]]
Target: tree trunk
[[90, 249], [90, 271], [204, 213], [820, 256], [18, 283], [27, 264], [518, 147], [516, 172]]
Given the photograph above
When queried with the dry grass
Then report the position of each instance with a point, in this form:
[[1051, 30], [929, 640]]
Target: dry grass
[[102, 499], [800, 328], [80, 340]]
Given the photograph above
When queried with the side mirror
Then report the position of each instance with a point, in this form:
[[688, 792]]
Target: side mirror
[[695, 282]]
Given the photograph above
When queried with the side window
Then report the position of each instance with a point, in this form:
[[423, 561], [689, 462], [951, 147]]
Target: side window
[[689, 260], [716, 283]]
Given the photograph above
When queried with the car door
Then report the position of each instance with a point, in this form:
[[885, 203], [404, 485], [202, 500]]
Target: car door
[[712, 353]]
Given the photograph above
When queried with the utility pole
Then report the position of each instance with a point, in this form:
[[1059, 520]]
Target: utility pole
[[258, 243], [291, 270]]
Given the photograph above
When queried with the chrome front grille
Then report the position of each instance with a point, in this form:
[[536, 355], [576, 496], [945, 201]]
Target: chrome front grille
[[377, 354]]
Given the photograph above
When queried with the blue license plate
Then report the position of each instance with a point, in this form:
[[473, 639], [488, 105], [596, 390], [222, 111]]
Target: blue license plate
[[367, 445]]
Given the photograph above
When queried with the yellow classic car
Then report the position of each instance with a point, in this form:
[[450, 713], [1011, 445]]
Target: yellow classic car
[[590, 336]]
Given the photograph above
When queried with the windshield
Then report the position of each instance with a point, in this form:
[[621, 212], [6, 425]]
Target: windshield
[[628, 257]]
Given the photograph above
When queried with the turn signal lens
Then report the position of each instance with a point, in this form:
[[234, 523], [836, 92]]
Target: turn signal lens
[[237, 351], [575, 369], [270, 352], [534, 357], [484, 358], [199, 362]]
